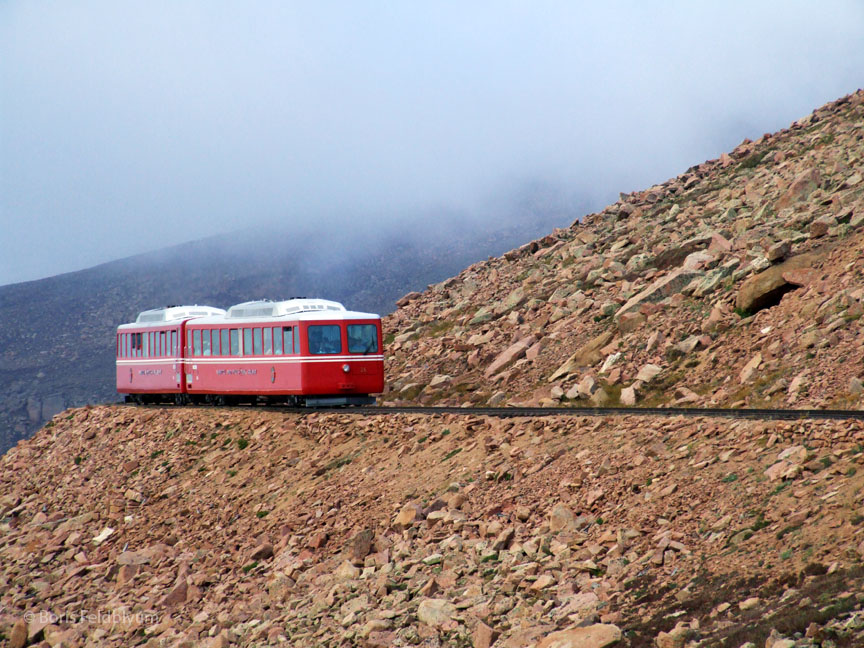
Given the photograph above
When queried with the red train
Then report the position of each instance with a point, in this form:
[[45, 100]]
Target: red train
[[310, 352]]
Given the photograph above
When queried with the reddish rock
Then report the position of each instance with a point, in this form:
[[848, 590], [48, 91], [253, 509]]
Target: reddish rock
[[262, 552], [18, 636], [317, 540], [598, 635], [766, 287], [484, 636], [820, 227], [802, 186], [510, 354], [361, 545], [177, 595]]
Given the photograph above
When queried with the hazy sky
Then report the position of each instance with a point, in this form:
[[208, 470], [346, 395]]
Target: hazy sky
[[130, 126]]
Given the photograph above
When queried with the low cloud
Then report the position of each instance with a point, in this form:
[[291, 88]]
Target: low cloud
[[133, 126]]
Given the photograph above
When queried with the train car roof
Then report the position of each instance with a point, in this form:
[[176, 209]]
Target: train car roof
[[172, 315], [267, 308], [314, 316]]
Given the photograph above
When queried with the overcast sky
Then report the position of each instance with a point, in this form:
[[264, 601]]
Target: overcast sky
[[131, 126]]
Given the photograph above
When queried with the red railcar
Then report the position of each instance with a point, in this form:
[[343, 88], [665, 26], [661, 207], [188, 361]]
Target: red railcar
[[150, 353], [301, 351]]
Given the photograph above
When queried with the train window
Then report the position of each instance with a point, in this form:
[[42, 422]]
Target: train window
[[277, 340], [163, 344], [325, 338], [297, 341], [174, 343], [205, 342], [362, 338], [289, 338], [226, 345], [215, 348], [145, 348], [247, 341], [196, 342], [188, 342], [257, 338], [235, 342], [268, 341]]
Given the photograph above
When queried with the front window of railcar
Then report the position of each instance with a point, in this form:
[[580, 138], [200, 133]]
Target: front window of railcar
[[362, 338], [325, 338]]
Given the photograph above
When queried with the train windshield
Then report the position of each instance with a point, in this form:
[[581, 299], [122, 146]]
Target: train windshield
[[325, 339], [362, 338]]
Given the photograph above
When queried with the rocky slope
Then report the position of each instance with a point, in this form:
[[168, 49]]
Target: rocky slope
[[737, 283], [187, 527]]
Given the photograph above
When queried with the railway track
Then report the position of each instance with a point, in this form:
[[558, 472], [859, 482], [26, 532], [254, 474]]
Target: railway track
[[512, 412]]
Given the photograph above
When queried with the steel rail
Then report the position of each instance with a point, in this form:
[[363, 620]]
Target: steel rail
[[512, 412]]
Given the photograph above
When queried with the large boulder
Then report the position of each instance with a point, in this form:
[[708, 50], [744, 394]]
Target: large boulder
[[765, 289], [510, 354], [661, 289], [598, 635], [587, 356]]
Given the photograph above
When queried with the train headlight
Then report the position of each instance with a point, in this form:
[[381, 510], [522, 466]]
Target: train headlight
[[346, 368]]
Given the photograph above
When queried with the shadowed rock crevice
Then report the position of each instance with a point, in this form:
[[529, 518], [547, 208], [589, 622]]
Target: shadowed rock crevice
[[771, 298]]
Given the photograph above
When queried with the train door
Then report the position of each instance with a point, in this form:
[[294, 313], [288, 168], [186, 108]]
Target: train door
[[176, 357], [184, 345]]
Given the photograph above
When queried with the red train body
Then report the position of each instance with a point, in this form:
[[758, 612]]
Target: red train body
[[300, 351]]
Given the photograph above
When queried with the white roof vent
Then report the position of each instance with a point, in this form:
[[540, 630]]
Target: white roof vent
[[177, 313], [281, 308]]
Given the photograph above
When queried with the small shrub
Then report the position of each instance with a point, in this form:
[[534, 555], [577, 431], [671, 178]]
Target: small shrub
[[451, 454], [242, 444]]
